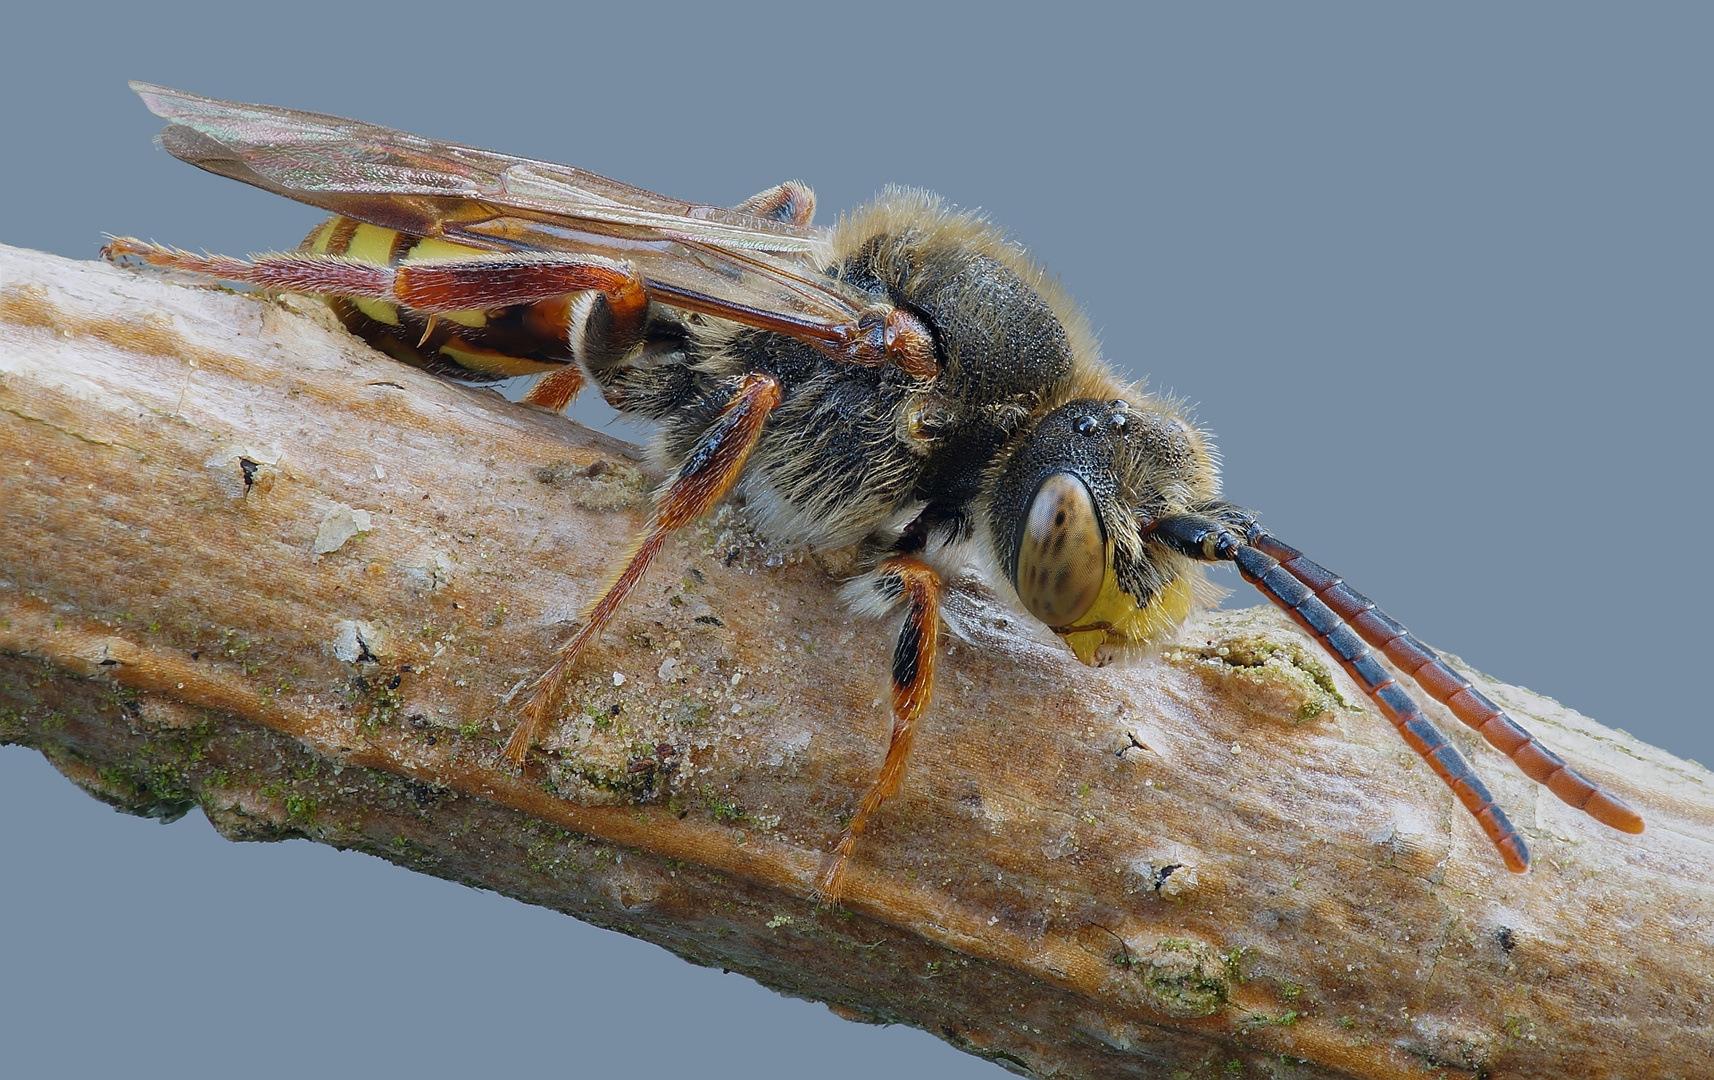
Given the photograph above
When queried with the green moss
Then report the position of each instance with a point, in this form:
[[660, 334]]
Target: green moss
[[299, 807], [601, 718], [722, 808], [1262, 1020], [163, 794], [1185, 978], [1234, 962], [697, 711], [624, 782], [376, 699]]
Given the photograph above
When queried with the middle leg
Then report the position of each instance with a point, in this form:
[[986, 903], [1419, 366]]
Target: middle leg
[[707, 473], [909, 578]]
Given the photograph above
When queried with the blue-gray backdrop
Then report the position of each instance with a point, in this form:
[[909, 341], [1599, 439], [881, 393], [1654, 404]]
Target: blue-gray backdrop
[[1438, 278]]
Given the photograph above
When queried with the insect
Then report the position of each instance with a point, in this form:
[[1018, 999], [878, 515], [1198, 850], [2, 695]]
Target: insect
[[907, 381]]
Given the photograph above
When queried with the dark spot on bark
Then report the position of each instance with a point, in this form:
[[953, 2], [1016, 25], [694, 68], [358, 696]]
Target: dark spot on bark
[[423, 794]]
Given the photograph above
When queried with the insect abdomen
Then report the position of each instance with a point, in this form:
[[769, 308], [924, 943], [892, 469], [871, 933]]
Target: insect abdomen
[[479, 346]]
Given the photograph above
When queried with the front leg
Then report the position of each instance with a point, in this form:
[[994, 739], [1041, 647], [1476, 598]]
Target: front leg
[[908, 578]]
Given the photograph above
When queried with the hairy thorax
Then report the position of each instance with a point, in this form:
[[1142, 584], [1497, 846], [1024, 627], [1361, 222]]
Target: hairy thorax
[[855, 451]]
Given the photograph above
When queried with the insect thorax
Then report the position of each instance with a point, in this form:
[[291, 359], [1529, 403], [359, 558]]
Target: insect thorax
[[852, 449]]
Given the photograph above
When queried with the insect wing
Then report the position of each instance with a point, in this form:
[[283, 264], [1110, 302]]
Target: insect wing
[[707, 258]]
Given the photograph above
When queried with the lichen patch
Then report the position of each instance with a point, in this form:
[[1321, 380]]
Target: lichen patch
[[1269, 674], [1180, 977]]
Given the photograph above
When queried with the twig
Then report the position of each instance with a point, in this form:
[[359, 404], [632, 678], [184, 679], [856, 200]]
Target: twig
[[251, 566]]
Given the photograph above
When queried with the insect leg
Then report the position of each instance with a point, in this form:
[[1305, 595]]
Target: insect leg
[[913, 680], [428, 285], [612, 329], [703, 479], [1203, 537], [1449, 688], [294, 271], [791, 202], [555, 319]]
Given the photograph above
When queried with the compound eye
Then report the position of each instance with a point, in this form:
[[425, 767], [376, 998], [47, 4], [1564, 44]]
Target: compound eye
[[1062, 553]]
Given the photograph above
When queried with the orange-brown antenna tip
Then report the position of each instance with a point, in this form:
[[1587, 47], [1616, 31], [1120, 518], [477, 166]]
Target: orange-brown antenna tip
[[1610, 811]]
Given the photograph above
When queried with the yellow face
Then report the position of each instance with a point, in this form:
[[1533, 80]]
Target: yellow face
[[1116, 619]]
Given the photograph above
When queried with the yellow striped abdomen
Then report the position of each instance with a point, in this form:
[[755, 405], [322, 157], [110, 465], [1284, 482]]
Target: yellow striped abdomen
[[478, 346]]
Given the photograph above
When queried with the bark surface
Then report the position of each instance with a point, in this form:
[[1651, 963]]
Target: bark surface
[[251, 566]]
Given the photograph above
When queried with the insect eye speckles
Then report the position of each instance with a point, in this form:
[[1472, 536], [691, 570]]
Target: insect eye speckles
[[1061, 559]]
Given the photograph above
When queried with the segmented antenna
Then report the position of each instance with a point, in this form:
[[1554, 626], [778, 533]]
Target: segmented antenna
[[1347, 623], [1443, 684]]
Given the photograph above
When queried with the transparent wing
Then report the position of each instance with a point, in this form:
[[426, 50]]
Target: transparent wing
[[705, 258]]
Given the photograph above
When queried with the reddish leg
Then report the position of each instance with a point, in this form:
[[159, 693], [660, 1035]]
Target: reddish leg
[[913, 681], [430, 285], [557, 389], [873, 337], [706, 475], [613, 328], [790, 202]]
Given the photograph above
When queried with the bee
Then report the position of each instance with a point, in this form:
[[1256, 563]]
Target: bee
[[907, 381]]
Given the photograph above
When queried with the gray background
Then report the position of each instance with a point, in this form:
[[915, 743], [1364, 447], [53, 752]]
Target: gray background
[[1438, 281]]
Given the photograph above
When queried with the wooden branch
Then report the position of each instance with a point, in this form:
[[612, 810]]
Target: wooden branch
[[252, 566]]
